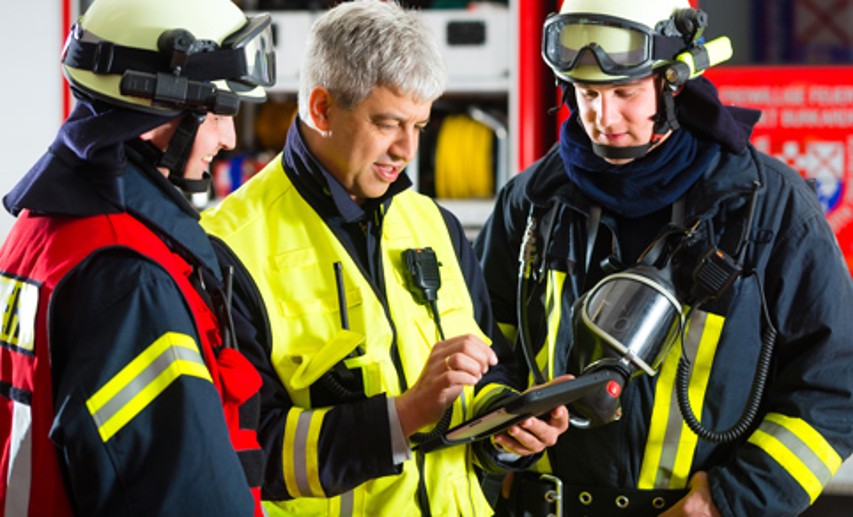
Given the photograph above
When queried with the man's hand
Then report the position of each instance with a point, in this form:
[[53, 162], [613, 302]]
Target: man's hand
[[534, 435], [452, 364], [697, 502]]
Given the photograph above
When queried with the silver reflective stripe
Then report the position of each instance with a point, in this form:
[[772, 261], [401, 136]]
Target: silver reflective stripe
[[672, 440], [300, 460], [347, 502], [19, 480], [800, 449], [143, 379], [675, 423]]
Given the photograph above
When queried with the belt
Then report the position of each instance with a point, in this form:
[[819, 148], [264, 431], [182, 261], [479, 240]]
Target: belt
[[532, 495], [599, 501], [543, 495]]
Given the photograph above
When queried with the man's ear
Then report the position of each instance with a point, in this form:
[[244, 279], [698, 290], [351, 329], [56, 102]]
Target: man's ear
[[319, 103]]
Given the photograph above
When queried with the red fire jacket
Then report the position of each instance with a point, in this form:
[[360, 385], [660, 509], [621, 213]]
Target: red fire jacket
[[37, 255]]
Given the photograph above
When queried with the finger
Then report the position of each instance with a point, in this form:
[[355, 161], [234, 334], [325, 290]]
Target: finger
[[518, 441], [462, 362], [538, 433], [477, 350], [559, 418], [460, 376]]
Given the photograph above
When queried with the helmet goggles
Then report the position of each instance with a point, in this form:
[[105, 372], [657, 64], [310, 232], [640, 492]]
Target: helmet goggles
[[246, 57], [254, 43], [618, 47]]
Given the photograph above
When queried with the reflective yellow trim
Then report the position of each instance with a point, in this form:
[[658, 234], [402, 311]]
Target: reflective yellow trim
[[487, 395], [542, 465], [671, 445], [789, 461], [287, 464], [799, 449], [143, 379], [509, 331], [813, 439], [312, 467], [700, 376], [664, 390], [554, 309], [300, 468], [19, 300]]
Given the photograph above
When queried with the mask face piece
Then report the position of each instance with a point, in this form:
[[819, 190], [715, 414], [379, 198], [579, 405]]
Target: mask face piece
[[626, 323]]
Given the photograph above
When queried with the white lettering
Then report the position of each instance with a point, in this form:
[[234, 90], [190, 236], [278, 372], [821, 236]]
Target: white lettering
[[831, 95], [812, 117]]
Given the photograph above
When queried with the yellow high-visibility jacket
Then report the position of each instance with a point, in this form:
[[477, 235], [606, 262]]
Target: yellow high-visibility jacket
[[290, 252]]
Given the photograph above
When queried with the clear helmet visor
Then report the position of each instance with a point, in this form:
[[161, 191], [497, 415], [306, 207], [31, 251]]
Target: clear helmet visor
[[616, 47], [255, 42]]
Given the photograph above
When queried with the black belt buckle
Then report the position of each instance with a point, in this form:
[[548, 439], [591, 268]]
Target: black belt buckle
[[531, 494]]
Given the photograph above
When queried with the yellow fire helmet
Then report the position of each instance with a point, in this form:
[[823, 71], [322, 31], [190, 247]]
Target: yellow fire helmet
[[167, 56], [613, 41]]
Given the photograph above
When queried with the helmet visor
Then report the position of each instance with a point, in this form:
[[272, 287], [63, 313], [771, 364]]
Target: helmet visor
[[617, 47], [255, 43]]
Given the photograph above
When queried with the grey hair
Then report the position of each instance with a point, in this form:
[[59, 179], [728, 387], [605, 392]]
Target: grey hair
[[361, 44]]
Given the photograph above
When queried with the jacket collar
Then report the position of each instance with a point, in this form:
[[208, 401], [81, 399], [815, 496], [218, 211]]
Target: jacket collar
[[150, 197], [728, 176]]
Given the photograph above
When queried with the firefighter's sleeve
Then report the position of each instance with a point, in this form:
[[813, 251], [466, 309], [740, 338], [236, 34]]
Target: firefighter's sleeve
[[807, 432], [139, 425]]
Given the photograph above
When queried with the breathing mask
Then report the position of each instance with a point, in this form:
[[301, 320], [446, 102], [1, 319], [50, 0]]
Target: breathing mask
[[626, 323]]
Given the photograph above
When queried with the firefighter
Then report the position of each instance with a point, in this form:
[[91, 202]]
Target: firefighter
[[123, 391], [379, 319], [662, 247]]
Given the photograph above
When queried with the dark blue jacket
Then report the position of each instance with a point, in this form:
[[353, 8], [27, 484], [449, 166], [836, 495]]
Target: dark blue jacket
[[803, 429], [106, 312]]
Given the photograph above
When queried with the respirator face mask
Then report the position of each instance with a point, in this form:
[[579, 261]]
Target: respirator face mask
[[626, 324]]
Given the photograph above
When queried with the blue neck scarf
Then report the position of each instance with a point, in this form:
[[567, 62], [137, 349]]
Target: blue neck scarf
[[642, 186]]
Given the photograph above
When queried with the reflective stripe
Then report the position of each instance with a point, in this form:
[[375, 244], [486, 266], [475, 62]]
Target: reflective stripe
[[143, 379], [799, 449], [509, 331], [711, 327], [19, 299], [487, 395], [347, 500], [554, 310], [671, 445], [19, 477], [299, 453]]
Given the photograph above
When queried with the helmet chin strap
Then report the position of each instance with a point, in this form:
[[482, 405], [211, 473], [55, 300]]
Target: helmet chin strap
[[178, 152]]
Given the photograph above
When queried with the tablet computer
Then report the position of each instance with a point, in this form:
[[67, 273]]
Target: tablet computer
[[533, 402]]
